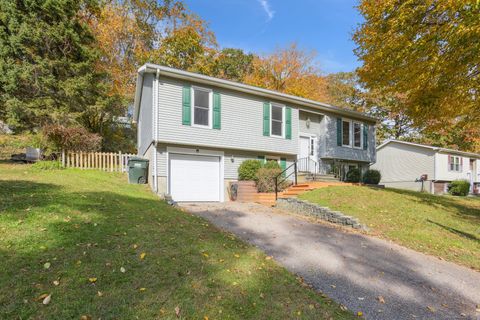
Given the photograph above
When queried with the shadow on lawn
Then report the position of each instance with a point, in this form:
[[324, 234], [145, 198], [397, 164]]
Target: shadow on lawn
[[22, 194], [91, 235], [456, 231], [470, 213]]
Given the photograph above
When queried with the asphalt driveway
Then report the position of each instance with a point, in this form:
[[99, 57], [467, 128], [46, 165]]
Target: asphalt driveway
[[367, 274]]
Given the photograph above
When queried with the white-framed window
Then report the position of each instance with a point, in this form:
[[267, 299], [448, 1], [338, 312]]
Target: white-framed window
[[346, 133], [202, 107], [277, 123], [455, 163], [357, 135]]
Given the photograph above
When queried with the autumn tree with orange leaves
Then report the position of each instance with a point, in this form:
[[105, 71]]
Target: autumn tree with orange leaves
[[429, 52], [289, 70]]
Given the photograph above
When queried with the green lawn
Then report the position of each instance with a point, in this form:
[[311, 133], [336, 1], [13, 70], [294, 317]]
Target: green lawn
[[445, 226], [87, 227]]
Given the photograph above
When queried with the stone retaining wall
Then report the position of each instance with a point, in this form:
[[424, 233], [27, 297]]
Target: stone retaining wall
[[314, 210]]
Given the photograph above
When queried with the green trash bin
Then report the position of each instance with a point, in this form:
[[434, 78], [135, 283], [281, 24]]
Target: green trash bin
[[137, 170]]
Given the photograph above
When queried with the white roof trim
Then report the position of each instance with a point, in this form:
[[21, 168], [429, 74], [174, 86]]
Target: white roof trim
[[437, 149], [185, 75]]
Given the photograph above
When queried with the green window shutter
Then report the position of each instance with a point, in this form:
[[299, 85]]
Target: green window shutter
[[365, 136], [261, 158], [283, 163], [288, 123], [266, 119], [339, 132], [187, 105], [216, 111]]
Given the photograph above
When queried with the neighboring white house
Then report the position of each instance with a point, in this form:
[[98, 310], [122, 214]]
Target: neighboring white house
[[402, 165], [196, 130]]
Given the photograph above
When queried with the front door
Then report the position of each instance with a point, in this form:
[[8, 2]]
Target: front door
[[307, 154], [304, 147]]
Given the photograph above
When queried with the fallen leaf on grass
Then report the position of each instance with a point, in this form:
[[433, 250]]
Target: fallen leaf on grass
[[122, 270], [85, 317], [142, 255], [92, 280], [47, 299], [381, 299], [100, 293], [46, 265], [359, 313], [431, 309], [237, 255], [42, 296], [56, 282], [177, 311], [142, 289], [135, 246]]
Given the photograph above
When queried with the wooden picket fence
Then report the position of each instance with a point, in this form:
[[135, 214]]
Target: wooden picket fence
[[106, 161]]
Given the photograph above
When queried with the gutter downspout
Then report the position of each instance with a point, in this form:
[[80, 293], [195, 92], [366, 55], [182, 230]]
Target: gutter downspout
[[155, 130]]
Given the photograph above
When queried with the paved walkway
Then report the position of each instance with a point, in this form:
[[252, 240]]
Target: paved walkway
[[354, 269]]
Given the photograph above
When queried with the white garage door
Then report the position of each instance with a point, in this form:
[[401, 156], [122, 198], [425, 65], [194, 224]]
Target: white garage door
[[194, 177]]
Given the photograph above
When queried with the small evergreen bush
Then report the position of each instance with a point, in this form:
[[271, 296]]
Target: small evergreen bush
[[248, 170], [353, 175], [459, 188], [372, 177]]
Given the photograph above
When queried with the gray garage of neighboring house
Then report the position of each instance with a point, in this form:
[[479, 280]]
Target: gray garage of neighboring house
[[197, 162]]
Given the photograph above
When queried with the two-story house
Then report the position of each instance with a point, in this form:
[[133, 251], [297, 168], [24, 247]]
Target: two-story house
[[403, 164], [196, 130]]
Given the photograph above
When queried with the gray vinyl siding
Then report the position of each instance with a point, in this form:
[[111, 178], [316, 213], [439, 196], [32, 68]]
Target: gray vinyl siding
[[329, 149], [241, 122], [410, 185], [230, 167], [145, 125], [401, 164], [162, 161], [315, 122]]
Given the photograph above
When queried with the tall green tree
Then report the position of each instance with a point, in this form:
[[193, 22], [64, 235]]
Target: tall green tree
[[344, 90], [47, 61], [428, 51], [232, 64]]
